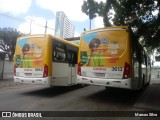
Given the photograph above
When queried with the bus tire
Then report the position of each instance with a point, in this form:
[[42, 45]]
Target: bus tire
[[108, 88], [82, 85]]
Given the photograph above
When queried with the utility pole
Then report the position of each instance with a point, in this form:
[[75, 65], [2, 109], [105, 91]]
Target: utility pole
[[90, 25], [45, 28], [30, 26]]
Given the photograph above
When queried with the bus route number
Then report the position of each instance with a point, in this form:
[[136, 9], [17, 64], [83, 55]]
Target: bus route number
[[116, 68], [38, 69]]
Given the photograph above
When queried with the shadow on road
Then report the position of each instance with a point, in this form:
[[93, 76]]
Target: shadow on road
[[116, 96], [52, 91], [110, 98], [150, 99]]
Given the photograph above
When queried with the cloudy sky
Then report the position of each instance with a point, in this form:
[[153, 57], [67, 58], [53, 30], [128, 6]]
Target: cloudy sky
[[19, 14]]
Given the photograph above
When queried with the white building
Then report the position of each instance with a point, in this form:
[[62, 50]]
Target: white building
[[63, 26]]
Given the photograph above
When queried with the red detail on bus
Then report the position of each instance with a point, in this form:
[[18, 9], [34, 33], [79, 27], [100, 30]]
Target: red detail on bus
[[14, 70], [126, 73], [45, 72], [79, 69]]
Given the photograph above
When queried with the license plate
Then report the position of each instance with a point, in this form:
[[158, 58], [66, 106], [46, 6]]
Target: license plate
[[100, 74], [28, 74]]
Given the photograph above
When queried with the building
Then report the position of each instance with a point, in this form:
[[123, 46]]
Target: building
[[63, 26]]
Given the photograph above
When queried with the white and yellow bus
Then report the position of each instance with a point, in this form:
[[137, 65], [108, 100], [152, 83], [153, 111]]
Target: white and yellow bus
[[45, 59], [110, 57]]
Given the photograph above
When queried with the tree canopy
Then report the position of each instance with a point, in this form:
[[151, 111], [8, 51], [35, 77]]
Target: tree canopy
[[90, 8], [143, 16], [8, 37]]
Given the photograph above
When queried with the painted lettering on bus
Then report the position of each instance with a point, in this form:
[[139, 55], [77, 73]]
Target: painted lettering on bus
[[98, 68], [113, 59], [26, 69], [116, 68]]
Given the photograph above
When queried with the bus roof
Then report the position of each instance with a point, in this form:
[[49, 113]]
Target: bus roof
[[64, 40], [106, 28], [49, 35]]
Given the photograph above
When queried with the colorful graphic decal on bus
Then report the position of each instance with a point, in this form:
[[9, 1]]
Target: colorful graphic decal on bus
[[102, 48], [28, 53], [113, 47]]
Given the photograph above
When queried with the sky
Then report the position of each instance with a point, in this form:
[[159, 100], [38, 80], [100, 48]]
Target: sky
[[31, 15], [21, 14]]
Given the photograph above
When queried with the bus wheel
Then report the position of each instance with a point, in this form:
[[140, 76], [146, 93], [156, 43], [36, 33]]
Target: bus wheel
[[82, 85], [108, 88]]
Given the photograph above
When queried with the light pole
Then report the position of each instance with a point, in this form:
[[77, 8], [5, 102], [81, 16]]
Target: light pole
[[30, 26], [45, 28]]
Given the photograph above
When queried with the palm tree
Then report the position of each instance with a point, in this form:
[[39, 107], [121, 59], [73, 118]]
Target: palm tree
[[90, 8]]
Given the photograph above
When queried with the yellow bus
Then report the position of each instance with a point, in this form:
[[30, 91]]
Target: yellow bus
[[111, 57], [45, 59]]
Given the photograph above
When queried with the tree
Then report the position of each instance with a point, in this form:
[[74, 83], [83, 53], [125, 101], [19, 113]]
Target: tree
[[8, 37], [143, 16], [90, 8]]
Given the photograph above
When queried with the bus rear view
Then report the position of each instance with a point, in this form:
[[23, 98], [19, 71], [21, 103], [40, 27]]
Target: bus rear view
[[31, 60], [105, 57]]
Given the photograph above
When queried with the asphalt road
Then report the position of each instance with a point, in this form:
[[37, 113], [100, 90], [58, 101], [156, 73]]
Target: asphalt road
[[24, 97]]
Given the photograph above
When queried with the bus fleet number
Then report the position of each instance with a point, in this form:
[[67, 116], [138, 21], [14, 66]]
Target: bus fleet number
[[116, 68], [38, 69]]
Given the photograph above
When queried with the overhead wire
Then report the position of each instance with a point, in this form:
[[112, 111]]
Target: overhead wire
[[23, 20]]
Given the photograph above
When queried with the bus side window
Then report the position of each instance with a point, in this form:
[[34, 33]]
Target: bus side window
[[59, 52], [149, 62], [75, 57], [72, 57], [144, 58]]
